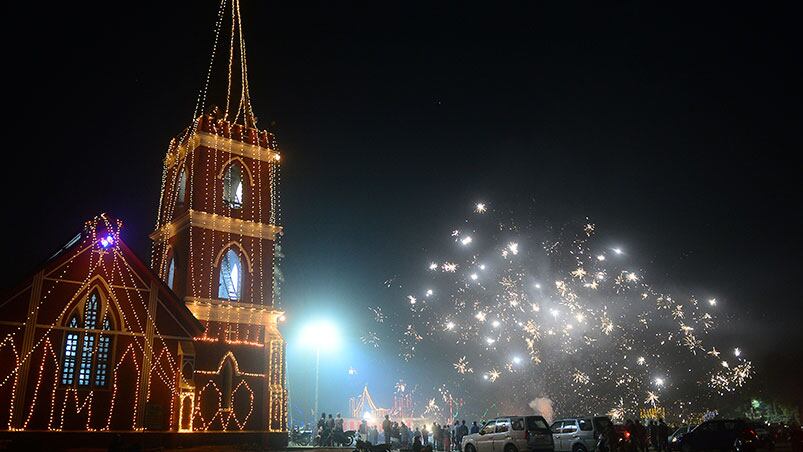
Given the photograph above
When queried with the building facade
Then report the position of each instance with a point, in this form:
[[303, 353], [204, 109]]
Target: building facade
[[94, 341], [97, 341], [214, 246]]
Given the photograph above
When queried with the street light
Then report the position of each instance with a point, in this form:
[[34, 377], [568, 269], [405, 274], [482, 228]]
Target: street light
[[320, 335]]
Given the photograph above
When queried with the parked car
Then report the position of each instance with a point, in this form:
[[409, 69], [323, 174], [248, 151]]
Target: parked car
[[722, 434], [511, 434], [674, 438], [578, 434]]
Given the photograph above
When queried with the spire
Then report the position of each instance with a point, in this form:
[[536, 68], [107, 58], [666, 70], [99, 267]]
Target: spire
[[228, 30]]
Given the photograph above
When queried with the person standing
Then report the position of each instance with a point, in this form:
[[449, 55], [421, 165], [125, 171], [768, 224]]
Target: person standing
[[363, 430], [474, 428], [663, 435], [424, 435], [653, 429], [386, 428]]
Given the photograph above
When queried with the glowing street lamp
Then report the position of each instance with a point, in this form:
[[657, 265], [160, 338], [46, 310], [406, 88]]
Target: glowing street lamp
[[320, 335]]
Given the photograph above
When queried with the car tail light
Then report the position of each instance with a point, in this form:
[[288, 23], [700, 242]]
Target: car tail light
[[627, 435]]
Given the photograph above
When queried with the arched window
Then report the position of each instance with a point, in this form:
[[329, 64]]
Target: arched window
[[231, 276], [181, 192], [104, 356], [70, 352], [87, 346], [171, 271], [233, 186]]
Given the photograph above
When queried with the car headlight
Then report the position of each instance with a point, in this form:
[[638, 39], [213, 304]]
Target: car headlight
[[675, 439]]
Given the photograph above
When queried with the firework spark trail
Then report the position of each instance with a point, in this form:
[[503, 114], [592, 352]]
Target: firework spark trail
[[597, 334]]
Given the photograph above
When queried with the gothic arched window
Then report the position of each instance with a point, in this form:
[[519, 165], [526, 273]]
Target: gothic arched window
[[87, 346], [233, 186], [231, 276], [171, 271], [181, 192], [70, 352]]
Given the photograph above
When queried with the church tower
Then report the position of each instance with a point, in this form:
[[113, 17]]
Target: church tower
[[215, 246]]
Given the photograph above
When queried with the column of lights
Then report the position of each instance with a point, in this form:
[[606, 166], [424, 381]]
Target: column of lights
[[9, 339]]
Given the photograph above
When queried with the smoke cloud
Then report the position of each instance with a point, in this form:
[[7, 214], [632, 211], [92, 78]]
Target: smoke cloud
[[543, 407]]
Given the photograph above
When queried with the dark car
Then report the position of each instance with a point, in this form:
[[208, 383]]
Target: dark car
[[674, 438], [722, 434]]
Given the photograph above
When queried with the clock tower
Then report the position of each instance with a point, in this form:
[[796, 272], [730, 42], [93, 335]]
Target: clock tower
[[215, 247]]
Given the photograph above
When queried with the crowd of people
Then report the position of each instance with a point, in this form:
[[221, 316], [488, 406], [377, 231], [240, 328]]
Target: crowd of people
[[418, 438], [636, 437], [329, 431]]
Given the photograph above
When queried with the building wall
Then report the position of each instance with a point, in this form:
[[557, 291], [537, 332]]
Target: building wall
[[239, 374], [141, 387]]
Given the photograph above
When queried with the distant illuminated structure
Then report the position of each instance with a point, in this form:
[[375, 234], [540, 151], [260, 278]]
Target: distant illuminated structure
[[363, 407]]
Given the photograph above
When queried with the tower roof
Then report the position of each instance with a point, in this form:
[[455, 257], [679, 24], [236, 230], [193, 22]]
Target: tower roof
[[228, 58]]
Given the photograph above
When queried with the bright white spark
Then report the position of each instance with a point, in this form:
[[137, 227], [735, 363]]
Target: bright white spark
[[429, 292], [555, 313], [474, 276], [412, 299], [737, 352], [652, 398], [513, 247], [712, 301], [466, 240], [495, 324], [493, 375], [659, 381], [537, 286], [433, 266], [516, 360], [480, 316], [449, 326], [482, 267], [617, 250], [641, 360], [490, 340], [601, 257], [480, 207]]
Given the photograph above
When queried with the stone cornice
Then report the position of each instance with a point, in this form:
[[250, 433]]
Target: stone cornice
[[224, 144], [207, 309], [216, 222]]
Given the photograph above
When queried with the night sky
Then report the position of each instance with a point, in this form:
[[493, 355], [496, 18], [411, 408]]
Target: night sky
[[674, 129]]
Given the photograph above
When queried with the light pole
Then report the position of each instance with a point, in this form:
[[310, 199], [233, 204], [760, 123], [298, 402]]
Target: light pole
[[317, 372], [320, 335]]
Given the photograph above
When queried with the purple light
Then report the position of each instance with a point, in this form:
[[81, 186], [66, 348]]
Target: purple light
[[107, 241]]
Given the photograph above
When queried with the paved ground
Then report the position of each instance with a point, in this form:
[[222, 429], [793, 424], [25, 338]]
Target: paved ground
[[782, 447]]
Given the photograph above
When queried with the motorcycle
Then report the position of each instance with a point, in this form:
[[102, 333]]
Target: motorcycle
[[300, 437]]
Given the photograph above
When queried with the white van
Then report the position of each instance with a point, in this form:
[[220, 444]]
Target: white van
[[578, 434], [511, 434]]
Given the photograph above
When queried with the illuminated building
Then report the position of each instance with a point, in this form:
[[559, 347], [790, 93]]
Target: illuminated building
[[98, 342]]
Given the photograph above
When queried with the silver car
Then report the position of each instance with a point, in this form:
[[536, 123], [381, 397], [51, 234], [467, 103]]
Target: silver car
[[578, 434], [511, 434]]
